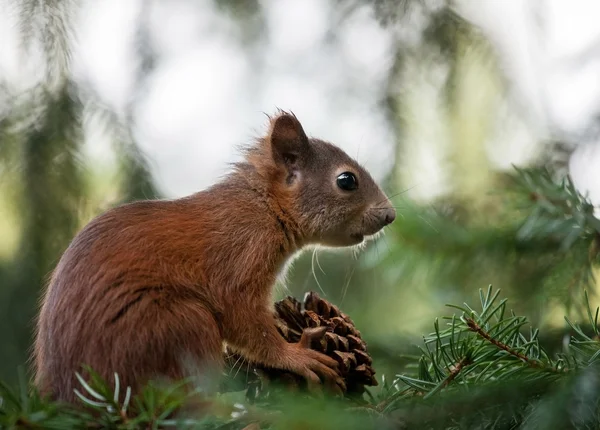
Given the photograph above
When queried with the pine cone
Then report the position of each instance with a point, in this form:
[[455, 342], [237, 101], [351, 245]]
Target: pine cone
[[342, 341]]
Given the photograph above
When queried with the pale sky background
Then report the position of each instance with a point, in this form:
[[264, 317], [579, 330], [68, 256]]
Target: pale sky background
[[209, 91], [550, 51]]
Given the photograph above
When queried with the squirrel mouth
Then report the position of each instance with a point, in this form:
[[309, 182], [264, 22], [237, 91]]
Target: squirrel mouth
[[365, 235], [358, 237]]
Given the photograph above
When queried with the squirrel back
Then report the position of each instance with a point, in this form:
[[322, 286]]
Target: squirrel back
[[152, 289]]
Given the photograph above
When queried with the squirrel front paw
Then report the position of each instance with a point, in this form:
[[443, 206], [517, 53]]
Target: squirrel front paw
[[314, 366]]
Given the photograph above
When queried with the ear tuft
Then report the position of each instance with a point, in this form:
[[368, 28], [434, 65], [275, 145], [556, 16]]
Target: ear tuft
[[286, 127], [288, 141]]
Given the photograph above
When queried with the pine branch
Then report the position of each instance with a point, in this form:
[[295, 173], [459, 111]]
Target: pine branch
[[484, 345], [481, 332], [456, 369]]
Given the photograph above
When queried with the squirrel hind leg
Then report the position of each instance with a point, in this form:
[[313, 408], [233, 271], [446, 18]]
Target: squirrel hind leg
[[181, 340], [154, 341], [196, 348]]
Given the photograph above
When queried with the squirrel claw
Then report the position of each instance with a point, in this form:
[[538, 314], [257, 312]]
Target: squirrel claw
[[311, 334], [318, 369]]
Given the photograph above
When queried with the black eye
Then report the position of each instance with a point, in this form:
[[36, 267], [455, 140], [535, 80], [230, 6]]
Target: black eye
[[347, 181]]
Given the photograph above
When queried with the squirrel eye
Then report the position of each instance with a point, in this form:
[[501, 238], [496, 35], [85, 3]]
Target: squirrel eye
[[347, 181]]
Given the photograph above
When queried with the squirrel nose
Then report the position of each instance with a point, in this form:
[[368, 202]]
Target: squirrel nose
[[390, 215]]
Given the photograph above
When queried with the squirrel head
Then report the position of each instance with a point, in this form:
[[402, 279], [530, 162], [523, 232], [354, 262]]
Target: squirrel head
[[326, 195]]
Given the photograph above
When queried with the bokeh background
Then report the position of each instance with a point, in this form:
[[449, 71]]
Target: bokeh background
[[107, 102]]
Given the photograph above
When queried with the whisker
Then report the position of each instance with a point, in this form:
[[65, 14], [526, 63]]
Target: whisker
[[397, 194], [347, 284], [374, 272], [318, 263], [312, 264], [306, 280], [429, 224], [386, 242], [240, 368], [235, 364]]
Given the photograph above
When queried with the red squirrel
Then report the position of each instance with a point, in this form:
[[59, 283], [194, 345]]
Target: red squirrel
[[154, 288]]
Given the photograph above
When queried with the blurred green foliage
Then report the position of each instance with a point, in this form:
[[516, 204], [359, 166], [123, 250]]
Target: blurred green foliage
[[477, 370]]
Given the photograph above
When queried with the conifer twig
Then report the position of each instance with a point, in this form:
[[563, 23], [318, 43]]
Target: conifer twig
[[473, 326], [458, 367]]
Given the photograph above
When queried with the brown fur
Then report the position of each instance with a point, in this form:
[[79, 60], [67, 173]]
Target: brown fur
[[152, 287]]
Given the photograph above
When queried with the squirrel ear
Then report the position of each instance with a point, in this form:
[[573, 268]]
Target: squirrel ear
[[288, 140]]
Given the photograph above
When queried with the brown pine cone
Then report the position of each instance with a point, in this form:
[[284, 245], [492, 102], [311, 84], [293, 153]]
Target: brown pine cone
[[342, 341]]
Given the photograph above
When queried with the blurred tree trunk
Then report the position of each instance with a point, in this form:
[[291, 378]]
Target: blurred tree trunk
[[42, 159], [137, 182], [51, 190]]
